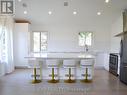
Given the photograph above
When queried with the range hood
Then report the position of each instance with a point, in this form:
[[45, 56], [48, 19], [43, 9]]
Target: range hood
[[124, 24], [121, 34]]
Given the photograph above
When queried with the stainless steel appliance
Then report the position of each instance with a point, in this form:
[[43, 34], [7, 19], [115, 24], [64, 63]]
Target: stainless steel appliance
[[114, 63], [123, 53], [123, 59]]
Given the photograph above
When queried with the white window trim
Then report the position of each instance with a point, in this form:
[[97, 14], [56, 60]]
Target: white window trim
[[32, 41], [92, 42]]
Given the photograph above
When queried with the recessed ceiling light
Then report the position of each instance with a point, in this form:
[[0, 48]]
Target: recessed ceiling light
[[107, 1], [74, 12], [25, 12], [49, 12], [98, 13], [19, 0]]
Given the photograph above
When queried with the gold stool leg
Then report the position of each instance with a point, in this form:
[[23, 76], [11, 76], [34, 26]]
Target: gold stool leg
[[53, 78], [41, 72], [69, 80], [86, 80], [35, 79]]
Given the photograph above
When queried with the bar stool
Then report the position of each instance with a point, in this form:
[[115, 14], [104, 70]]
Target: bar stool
[[35, 65], [54, 65], [69, 64], [87, 64]]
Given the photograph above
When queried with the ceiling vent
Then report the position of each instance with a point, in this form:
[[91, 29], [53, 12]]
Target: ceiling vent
[[24, 5], [65, 3]]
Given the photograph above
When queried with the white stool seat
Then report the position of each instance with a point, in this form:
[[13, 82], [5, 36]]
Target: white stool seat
[[87, 62], [69, 63], [87, 65], [33, 63], [52, 63]]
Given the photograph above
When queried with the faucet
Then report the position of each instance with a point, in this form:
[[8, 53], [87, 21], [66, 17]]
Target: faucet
[[86, 48]]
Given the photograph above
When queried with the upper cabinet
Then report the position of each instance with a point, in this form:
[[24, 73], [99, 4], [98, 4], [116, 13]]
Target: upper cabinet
[[21, 43], [125, 21]]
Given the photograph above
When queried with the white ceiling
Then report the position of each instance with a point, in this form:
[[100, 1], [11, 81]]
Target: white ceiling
[[86, 11]]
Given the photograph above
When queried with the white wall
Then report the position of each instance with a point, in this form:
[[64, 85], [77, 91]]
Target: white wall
[[117, 27], [65, 38], [60, 39]]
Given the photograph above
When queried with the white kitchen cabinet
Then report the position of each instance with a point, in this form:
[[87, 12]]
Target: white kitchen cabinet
[[102, 60], [21, 43]]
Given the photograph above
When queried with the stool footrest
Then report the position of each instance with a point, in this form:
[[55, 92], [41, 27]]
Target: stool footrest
[[87, 75], [35, 75], [55, 75], [67, 75]]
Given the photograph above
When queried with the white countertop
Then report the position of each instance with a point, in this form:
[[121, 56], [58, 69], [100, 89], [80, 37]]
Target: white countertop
[[61, 55]]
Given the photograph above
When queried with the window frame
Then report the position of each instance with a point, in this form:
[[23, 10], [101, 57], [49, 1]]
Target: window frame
[[32, 38], [92, 39]]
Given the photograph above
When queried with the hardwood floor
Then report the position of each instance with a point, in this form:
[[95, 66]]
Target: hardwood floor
[[18, 83]]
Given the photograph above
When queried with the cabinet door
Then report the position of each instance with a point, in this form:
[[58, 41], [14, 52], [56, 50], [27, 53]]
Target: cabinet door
[[20, 44]]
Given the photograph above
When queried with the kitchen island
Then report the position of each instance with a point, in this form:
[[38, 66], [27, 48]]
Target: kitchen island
[[61, 56]]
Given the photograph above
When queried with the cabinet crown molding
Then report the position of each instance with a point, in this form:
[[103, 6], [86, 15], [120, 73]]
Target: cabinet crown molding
[[22, 21]]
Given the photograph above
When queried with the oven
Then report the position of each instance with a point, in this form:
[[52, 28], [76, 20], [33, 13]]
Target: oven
[[114, 63]]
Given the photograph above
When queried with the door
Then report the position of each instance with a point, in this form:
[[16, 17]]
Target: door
[[123, 64]]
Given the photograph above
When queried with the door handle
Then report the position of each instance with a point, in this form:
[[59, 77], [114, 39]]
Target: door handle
[[125, 66]]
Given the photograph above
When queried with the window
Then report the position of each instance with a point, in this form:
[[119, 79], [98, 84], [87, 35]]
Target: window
[[85, 38], [39, 41]]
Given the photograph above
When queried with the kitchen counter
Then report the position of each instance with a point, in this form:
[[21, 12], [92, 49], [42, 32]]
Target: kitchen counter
[[63, 55]]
